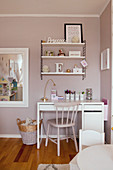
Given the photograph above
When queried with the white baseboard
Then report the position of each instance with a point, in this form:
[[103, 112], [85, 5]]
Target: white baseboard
[[10, 136], [19, 136]]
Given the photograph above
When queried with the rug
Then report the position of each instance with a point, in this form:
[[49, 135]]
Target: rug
[[53, 167]]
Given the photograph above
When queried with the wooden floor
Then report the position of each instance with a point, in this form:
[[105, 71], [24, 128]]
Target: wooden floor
[[16, 156]]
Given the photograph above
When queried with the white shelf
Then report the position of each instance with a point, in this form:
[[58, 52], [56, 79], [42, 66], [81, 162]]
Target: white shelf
[[60, 73], [63, 57], [77, 44]]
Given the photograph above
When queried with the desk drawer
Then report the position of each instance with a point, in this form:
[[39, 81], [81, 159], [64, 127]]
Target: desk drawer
[[52, 108], [47, 107], [93, 107]]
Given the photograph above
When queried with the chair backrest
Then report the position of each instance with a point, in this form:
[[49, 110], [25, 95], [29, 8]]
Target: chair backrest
[[89, 138], [66, 111]]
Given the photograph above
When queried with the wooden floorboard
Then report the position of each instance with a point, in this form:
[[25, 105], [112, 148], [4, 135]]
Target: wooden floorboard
[[14, 155]]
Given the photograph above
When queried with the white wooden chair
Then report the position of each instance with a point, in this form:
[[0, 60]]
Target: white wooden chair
[[89, 138], [65, 118]]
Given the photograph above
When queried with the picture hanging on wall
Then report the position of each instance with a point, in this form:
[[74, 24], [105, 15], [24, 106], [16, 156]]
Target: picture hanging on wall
[[105, 59], [73, 33]]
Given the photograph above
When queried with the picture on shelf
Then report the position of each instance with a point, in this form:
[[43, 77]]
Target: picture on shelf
[[73, 33]]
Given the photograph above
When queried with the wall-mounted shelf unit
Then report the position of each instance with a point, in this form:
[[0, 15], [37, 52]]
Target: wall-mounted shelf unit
[[67, 46]]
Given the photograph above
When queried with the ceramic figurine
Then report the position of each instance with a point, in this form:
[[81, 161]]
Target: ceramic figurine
[[61, 53]]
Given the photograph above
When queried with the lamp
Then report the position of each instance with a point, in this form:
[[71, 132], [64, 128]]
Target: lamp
[[44, 98]]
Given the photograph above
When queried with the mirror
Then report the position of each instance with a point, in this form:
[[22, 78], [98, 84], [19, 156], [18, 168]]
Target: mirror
[[14, 64]]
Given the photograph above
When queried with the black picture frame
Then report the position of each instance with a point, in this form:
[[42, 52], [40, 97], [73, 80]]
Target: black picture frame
[[73, 30]]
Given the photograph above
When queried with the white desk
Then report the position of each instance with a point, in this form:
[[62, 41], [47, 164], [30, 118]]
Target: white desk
[[98, 157], [92, 115]]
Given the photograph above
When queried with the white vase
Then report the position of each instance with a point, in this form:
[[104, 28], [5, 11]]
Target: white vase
[[72, 97], [81, 96], [67, 96], [77, 96]]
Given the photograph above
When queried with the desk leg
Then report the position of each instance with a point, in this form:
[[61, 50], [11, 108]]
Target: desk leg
[[42, 126], [102, 117], [38, 130], [83, 116]]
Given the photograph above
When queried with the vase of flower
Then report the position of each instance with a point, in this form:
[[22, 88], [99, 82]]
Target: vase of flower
[[72, 96], [77, 96], [81, 96], [67, 96]]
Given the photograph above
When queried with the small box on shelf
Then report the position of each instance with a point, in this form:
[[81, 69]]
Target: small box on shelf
[[77, 70], [74, 53]]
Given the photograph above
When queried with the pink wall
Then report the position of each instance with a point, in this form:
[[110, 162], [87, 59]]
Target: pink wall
[[28, 32], [105, 42]]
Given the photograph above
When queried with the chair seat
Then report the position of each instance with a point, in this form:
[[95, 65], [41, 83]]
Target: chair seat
[[52, 122]]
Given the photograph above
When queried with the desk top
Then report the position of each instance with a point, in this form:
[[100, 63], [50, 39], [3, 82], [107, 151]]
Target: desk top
[[79, 102], [98, 157]]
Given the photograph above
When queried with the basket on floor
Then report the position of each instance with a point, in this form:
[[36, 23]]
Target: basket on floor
[[28, 133]]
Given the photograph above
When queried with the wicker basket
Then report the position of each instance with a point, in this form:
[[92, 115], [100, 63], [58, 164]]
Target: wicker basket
[[28, 133]]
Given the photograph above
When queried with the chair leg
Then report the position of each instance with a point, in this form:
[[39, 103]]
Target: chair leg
[[47, 135], [58, 142], [75, 141], [67, 135]]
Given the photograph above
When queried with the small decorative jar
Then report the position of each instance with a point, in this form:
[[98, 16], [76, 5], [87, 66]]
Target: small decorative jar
[[89, 94]]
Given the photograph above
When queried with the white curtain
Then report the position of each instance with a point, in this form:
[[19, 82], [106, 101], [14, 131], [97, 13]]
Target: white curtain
[[19, 72]]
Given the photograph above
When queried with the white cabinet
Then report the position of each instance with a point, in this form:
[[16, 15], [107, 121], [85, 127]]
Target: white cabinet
[[66, 58], [93, 117]]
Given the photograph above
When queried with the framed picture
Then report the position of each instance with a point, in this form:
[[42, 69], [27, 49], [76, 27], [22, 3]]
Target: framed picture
[[105, 59], [73, 33]]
